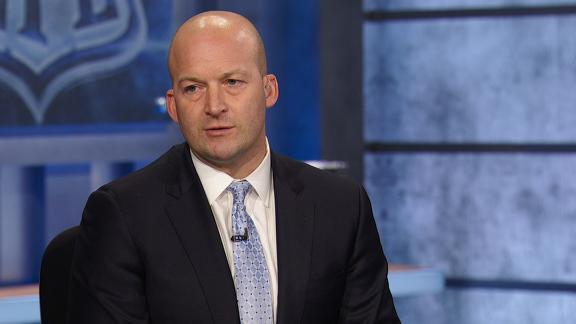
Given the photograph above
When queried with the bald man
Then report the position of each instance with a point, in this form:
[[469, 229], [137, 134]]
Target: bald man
[[220, 229]]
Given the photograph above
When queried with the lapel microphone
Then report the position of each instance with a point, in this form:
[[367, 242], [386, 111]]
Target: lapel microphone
[[240, 238]]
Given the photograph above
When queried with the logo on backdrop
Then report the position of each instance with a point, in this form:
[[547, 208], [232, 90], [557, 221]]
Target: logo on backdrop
[[47, 46]]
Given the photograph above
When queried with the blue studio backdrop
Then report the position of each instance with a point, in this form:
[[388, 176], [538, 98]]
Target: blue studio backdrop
[[100, 62], [82, 86]]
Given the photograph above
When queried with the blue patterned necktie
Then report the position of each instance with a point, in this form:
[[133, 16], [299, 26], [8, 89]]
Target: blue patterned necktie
[[251, 272]]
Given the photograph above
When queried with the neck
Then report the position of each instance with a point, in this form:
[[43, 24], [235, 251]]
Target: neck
[[244, 169], [242, 166]]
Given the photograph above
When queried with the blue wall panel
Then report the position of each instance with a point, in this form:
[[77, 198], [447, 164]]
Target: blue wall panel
[[482, 216], [490, 217], [67, 188], [471, 80], [499, 217], [455, 4], [488, 306], [290, 31]]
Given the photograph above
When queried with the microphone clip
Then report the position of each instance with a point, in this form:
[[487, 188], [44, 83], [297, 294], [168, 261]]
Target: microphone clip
[[240, 238]]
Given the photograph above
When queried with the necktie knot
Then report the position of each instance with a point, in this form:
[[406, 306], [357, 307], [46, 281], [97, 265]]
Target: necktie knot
[[239, 190]]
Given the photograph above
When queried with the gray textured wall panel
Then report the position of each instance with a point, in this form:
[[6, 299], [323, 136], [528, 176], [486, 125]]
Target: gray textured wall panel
[[450, 4], [487, 307], [482, 216], [484, 80], [66, 195]]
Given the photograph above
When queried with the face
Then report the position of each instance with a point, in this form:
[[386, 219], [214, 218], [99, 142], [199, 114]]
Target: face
[[219, 99]]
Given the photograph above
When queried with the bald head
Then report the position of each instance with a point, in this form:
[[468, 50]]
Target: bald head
[[216, 26]]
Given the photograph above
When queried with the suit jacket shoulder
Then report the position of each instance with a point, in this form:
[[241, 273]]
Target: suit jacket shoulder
[[320, 183], [164, 169]]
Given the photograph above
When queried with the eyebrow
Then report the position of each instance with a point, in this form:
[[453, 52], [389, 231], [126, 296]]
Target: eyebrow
[[190, 78], [233, 72], [224, 76]]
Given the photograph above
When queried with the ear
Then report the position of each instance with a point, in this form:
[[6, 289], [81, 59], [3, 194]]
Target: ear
[[171, 105], [270, 89]]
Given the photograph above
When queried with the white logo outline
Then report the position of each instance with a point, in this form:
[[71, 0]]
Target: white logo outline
[[87, 38]]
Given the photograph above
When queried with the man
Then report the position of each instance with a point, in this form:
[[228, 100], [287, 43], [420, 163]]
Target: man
[[221, 229]]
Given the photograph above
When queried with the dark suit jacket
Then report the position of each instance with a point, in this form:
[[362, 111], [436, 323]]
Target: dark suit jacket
[[149, 251]]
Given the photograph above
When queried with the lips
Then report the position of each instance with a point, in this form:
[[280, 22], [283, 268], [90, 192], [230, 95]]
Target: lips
[[218, 130]]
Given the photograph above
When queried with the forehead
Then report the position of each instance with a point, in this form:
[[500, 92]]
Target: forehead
[[214, 52]]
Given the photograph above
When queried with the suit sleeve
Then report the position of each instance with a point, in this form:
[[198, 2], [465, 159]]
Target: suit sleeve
[[367, 297], [106, 283]]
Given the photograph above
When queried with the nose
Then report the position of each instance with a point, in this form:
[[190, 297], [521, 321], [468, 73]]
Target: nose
[[214, 104]]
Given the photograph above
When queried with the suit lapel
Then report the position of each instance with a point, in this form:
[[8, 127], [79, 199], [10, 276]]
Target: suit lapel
[[294, 231], [191, 215]]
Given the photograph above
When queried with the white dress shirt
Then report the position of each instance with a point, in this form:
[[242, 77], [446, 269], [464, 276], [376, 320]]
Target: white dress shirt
[[259, 205]]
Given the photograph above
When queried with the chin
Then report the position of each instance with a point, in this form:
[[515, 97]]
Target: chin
[[221, 156]]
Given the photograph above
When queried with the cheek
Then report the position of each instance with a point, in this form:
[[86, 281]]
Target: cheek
[[259, 115], [187, 114], [189, 124]]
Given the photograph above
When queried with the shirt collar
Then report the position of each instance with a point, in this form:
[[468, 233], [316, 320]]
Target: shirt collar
[[215, 181]]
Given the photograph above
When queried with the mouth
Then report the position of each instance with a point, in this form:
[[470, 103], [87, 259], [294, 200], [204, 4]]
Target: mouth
[[218, 130]]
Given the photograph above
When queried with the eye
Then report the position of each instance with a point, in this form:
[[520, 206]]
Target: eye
[[233, 82], [191, 88]]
